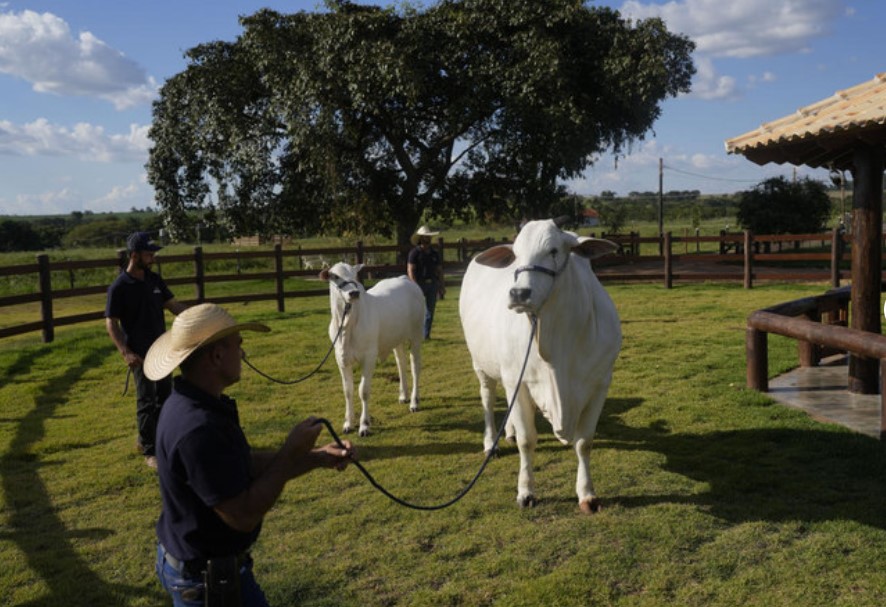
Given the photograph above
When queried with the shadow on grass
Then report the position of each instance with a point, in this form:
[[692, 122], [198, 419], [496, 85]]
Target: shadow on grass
[[33, 524], [766, 474]]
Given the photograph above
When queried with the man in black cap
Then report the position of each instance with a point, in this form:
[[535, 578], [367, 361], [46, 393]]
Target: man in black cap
[[134, 318]]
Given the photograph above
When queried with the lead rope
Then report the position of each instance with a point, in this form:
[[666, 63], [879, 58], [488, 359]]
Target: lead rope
[[492, 452], [341, 327]]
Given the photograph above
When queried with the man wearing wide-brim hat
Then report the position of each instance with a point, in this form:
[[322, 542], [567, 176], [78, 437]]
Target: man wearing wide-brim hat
[[215, 489], [424, 266]]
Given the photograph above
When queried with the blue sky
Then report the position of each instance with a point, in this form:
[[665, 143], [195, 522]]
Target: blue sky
[[77, 78]]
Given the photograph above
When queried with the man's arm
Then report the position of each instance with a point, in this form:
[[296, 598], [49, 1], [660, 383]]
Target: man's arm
[[297, 456], [117, 336], [175, 306]]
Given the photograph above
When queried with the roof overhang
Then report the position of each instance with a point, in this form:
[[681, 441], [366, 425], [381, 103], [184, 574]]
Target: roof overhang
[[824, 134]]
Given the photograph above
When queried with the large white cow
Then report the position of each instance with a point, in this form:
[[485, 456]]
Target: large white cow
[[389, 316], [546, 274]]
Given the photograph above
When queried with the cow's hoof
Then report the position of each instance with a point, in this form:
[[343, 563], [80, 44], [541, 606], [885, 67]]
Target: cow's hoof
[[528, 501], [413, 408], [364, 432], [591, 506], [346, 429], [403, 401]]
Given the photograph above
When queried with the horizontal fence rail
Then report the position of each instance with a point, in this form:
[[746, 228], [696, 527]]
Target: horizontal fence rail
[[819, 324], [727, 257]]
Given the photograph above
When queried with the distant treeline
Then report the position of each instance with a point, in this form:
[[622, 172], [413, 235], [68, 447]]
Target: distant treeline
[[100, 230]]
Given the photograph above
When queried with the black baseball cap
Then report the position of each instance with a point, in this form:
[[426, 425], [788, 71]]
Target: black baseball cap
[[141, 241]]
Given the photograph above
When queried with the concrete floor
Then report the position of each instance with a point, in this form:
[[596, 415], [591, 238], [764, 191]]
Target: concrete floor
[[821, 392]]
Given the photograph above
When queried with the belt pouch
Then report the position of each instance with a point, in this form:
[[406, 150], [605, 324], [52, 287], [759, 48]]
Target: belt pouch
[[223, 582]]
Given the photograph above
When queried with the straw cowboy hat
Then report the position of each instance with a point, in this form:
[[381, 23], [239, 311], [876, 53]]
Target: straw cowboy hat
[[197, 326], [422, 231]]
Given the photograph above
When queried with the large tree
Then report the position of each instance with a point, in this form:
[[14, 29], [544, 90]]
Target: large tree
[[363, 119], [779, 206]]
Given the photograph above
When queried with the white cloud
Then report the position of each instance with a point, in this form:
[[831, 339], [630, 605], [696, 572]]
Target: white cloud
[[744, 28], [41, 49], [709, 84], [740, 29], [84, 141]]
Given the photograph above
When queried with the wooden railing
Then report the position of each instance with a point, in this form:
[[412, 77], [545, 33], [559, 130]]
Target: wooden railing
[[819, 325], [297, 262]]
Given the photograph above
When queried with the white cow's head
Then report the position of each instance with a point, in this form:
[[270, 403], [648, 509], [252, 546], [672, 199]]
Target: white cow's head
[[538, 256], [343, 280]]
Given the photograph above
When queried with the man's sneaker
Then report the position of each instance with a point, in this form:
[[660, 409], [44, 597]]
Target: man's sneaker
[[151, 461]]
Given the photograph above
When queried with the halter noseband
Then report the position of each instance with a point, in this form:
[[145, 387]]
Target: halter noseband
[[538, 268]]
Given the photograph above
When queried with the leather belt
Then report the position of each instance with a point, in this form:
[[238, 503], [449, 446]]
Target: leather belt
[[195, 567]]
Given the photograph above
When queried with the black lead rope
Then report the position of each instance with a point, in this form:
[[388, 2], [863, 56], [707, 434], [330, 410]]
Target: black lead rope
[[322, 362], [489, 456]]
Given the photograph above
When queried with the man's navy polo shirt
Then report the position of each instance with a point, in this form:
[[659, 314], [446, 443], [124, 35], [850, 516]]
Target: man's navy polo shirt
[[139, 306], [203, 459]]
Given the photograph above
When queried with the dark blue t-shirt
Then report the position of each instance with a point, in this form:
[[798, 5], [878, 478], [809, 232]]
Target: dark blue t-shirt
[[426, 263], [203, 459], [139, 306]]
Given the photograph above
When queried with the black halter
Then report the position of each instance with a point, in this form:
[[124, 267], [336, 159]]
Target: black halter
[[537, 268]]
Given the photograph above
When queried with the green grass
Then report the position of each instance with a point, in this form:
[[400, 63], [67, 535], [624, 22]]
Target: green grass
[[713, 494]]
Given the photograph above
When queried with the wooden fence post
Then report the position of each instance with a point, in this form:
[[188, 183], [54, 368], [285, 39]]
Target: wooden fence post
[[278, 270], [668, 261], [748, 260], [757, 356], [46, 297], [199, 276], [808, 352], [836, 254], [359, 251]]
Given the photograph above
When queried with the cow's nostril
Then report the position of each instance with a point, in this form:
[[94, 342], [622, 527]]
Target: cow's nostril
[[520, 295]]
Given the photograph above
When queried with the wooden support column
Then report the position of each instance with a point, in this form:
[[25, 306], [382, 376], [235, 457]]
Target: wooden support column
[[757, 359], [867, 234]]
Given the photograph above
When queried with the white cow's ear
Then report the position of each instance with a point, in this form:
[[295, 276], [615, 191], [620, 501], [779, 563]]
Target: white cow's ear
[[592, 248], [500, 256], [357, 268]]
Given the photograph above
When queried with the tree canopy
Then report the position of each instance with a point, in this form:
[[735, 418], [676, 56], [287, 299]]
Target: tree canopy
[[779, 206], [364, 119]]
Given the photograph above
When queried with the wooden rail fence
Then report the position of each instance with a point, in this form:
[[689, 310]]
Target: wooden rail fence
[[621, 267]]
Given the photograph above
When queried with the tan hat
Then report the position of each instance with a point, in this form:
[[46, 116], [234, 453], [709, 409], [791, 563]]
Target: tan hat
[[194, 327], [422, 231]]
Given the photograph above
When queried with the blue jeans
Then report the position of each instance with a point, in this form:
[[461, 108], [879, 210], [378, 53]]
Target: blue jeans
[[430, 292], [188, 592]]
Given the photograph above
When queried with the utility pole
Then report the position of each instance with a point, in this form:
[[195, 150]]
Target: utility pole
[[661, 206]]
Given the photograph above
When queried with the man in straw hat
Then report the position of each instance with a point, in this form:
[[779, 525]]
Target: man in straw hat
[[424, 266], [215, 489]]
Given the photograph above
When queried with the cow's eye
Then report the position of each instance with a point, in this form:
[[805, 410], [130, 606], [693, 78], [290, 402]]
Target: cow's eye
[[333, 276], [554, 252]]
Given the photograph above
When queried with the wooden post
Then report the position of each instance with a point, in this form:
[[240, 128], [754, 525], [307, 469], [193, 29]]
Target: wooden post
[[836, 249], [199, 278], [668, 261], [809, 353], [359, 251], [757, 357], [882, 399], [278, 271], [867, 234], [748, 260], [46, 297]]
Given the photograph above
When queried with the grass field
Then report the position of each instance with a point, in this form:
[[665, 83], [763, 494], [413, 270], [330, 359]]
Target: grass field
[[713, 494]]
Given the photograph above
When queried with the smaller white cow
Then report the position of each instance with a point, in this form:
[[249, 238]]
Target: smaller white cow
[[389, 316]]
